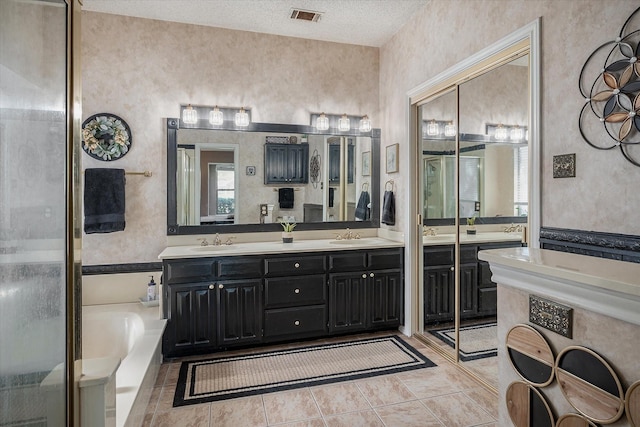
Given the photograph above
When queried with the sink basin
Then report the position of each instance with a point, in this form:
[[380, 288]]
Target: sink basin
[[210, 248]]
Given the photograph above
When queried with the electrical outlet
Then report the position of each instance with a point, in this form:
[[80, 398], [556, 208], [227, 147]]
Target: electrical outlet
[[263, 209], [477, 207]]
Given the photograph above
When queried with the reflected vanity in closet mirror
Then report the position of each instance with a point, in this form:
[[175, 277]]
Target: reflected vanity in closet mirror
[[218, 177]]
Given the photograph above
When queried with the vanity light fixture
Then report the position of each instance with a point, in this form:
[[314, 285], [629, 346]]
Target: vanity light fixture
[[365, 124], [190, 115], [216, 117], [322, 122], [500, 133], [344, 124], [242, 118], [433, 128], [450, 129]]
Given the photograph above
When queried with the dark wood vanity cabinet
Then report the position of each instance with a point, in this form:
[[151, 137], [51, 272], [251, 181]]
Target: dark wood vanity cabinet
[[246, 300], [370, 296], [477, 291], [222, 309], [286, 163]]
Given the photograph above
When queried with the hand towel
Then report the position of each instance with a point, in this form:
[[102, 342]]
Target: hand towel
[[285, 198], [104, 200], [362, 208], [389, 208]]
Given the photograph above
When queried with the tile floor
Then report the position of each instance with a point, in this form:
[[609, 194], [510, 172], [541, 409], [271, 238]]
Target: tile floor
[[437, 396]]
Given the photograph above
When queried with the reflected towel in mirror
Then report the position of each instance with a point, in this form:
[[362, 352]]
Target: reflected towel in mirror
[[362, 208], [285, 198], [389, 208]]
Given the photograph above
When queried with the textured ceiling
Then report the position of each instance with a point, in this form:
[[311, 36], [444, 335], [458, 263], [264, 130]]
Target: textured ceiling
[[361, 22]]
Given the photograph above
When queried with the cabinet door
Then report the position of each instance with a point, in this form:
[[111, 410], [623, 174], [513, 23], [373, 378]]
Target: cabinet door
[[240, 312], [347, 304], [298, 164], [468, 290], [191, 324], [438, 293], [334, 163], [385, 298], [275, 163]]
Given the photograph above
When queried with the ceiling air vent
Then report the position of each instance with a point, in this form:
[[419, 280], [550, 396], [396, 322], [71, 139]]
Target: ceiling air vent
[[305, 15]]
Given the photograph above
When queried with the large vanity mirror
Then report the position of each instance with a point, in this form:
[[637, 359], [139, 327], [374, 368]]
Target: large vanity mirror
[[225, 180]]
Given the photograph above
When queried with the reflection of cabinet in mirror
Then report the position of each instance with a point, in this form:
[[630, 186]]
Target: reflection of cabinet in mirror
[[334, 161], [286, 163]]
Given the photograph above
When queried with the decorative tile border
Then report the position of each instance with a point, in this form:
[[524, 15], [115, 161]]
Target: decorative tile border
[[622, 247]]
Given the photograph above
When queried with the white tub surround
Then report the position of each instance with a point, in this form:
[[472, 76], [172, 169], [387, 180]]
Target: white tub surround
[[604, 286], [604, 295], [98, 392], [132, 334], [277, 247]]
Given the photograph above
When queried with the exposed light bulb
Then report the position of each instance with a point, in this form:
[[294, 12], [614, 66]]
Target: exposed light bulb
[[344, 124], [322, 122], [190, 115], [216, 118], [450, 129], [365, 124], [242, 118]]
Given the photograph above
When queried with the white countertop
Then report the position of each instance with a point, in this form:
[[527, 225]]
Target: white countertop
[[259, 248], [601, 285], [480, 237]]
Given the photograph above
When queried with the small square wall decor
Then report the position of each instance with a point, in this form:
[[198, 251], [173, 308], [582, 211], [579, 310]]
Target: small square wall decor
[[564, 166], [392, 158]]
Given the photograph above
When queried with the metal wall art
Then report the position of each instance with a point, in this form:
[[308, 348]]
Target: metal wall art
[[610, 84]]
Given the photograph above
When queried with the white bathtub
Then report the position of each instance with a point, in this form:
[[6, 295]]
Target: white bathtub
[[132, 333]]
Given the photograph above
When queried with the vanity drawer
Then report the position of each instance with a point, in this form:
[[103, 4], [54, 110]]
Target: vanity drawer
[[188, 271], [438, 255], [294, 291], [347, 261], [239, 267], [385, 259], [295, 322], [294, 265]]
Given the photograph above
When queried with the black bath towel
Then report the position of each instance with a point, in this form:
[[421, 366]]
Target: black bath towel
[[389, 208], [285, 198], [103, 200], [362, 208]]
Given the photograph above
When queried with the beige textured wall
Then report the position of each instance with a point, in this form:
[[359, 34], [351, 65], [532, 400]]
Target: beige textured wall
[[141, 70], [603, 196]]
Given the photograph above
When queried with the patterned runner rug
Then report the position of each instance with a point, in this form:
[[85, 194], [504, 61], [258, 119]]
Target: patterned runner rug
[[476, 342], [229, 377]]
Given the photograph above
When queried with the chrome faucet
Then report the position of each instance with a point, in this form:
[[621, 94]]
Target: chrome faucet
[[229, 240], [217, 241], [428, 231], [203, 241], [348, 235], [513, 228]]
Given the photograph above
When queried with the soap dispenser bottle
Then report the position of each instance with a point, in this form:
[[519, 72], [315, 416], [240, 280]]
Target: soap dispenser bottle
[[151, 290]]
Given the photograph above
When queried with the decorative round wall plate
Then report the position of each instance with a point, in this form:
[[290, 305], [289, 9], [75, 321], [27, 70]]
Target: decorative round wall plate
[[530, 355], [589, 384], [106, 137], [574, 420], [527, 407], [632, 404]]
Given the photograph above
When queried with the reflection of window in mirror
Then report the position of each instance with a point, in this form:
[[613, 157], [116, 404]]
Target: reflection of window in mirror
[[222, 190], [521, 180]]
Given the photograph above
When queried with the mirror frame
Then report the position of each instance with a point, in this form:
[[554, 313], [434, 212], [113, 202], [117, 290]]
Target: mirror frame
[[175, 229]]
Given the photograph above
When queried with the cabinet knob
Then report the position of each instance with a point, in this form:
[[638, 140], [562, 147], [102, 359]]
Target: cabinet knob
[[297, 323], [297, 291], [212, 286], [221, 286], [296, 265], [371, 274], [452, 268], [364, 276]]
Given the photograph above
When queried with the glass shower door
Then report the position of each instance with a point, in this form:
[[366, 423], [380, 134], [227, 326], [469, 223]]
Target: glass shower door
[[33, 232]]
